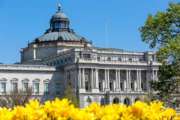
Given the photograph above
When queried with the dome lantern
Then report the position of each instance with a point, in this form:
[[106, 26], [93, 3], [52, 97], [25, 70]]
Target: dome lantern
[[59, 21]]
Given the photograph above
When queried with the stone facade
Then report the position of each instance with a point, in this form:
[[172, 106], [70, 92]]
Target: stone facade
[[40, 78]]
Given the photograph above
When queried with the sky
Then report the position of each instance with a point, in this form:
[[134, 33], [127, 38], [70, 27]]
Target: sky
[[107, 23]]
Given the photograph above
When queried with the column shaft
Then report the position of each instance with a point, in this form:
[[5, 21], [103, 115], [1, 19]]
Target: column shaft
[[83, 77], [97, 79], [92, 78], [119, 80], [127, 79], [116, 81], [79, 78], [140, 80], [108, 79]]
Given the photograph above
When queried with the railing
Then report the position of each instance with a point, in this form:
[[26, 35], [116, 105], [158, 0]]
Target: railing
[[90, 60], [111, 62], [25, 67]]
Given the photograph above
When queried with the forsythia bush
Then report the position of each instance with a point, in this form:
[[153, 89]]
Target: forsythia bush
[[64, 110]]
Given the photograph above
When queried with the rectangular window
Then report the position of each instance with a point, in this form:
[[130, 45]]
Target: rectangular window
[[57, 26], [87, 86], [25, 86], [3, 87], [46, 88], [98, 58], [133, 75], [123, 75], [111, 86], [58, 88], [86, 56], [100, 86], [36, 88], [132, 86], [87, 81], [144, 80], [14, 86], [122, 86]]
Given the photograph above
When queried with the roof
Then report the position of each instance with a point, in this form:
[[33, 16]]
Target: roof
[[59, 15], [62, 35]]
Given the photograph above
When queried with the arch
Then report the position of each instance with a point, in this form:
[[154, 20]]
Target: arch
[[127, 101], [14, 80], [89, 100], [46, 81], [137, 99], [103, 101], [36, 80], [25, 80], [116, 100], [3, 79]]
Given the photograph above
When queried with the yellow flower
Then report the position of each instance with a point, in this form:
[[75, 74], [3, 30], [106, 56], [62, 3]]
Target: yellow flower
[[64, 110]]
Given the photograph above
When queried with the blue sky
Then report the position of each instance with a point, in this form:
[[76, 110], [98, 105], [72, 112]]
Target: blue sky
[[108, 23]]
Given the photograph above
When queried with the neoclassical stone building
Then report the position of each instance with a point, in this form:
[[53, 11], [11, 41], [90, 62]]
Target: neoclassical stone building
[[60, 57]]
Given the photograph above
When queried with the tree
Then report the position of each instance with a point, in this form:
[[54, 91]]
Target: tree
[[70, 95], [162, 31], [165, 86], [162, 27]]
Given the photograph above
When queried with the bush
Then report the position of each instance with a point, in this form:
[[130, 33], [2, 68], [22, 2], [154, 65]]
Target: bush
[[64, 110]]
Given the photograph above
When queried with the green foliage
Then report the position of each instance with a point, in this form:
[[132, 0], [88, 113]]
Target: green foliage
[[70, 95], [170, 49], [162, 27], [165, 86], [162, 31]]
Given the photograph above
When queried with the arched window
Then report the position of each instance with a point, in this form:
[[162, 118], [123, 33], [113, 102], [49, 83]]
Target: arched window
[[127, 101], [89, 100], [103, 101], [119, 59], [116, 100], [109, 59]]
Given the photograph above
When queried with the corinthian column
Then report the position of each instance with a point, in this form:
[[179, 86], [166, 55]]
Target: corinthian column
[[107, 79], [92, 78], [79, 78], [97, 79], [117, 80], [83, 78]]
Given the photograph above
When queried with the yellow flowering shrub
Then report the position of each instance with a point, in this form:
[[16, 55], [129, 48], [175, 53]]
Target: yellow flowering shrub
[[64, 110]]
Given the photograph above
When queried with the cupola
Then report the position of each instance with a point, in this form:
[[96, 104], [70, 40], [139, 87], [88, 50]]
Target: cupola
[[59, 21]]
